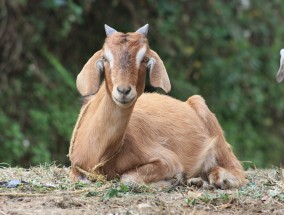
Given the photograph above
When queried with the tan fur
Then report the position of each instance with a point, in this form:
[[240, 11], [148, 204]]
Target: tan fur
[[154, 138]]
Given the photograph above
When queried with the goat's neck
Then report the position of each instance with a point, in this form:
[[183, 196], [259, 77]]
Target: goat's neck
[[108, 124]]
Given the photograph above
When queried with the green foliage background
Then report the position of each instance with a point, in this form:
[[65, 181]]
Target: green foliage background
[[225, 50]]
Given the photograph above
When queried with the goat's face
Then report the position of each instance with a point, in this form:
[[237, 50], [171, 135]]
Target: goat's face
[[124, 59]]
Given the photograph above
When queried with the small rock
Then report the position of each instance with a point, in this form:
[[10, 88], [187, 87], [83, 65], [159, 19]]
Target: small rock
[[143, 207], [193, 195]]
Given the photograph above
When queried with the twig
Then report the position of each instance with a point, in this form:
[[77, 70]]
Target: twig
[[280, 173], [41, 194], [279, 203], [224, 206], [254, 166], [22, 194], [279, 184]]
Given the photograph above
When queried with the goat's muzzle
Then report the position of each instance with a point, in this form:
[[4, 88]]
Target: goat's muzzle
[[124, 95]]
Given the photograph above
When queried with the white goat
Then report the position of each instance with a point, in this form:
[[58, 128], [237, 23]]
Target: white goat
[[144, 137]]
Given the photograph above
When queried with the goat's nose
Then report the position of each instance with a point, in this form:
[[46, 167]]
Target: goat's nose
[[124, 90]]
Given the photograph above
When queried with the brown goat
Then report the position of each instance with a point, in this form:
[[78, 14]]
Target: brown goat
[[145, 137]]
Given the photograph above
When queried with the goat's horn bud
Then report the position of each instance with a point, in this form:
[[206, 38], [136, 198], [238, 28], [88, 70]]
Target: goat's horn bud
[[143, 30], [109, 30]]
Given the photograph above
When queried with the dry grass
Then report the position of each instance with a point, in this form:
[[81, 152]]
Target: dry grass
[[49, 191]]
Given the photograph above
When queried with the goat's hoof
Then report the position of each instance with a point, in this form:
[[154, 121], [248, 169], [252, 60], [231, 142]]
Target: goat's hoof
[[83, 179], [196, 182], [179, 179], [223, 179], [78, 177]]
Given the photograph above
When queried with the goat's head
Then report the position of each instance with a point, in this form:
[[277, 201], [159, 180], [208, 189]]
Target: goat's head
[[124, 59]]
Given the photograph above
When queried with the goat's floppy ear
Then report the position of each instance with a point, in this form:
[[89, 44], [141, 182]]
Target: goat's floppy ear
[[158, 74], [88, 80]]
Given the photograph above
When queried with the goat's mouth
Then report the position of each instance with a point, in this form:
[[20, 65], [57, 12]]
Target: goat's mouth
[[124, 102]]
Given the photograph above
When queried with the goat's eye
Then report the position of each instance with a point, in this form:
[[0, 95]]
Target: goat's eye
[[145, 60], [104, 59]]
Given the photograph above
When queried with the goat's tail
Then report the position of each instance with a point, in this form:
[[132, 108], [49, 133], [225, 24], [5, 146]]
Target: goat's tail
[[224, 156]]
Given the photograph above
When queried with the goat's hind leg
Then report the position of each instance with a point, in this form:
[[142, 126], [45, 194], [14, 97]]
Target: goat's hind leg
[[227, 171], [157, 172]]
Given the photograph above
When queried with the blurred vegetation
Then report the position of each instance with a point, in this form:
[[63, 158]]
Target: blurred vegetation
[[225, 50]]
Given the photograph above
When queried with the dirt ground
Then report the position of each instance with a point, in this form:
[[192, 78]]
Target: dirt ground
[[48, 190]]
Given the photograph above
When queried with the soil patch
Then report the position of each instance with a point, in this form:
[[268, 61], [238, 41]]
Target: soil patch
[[48, 190]]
